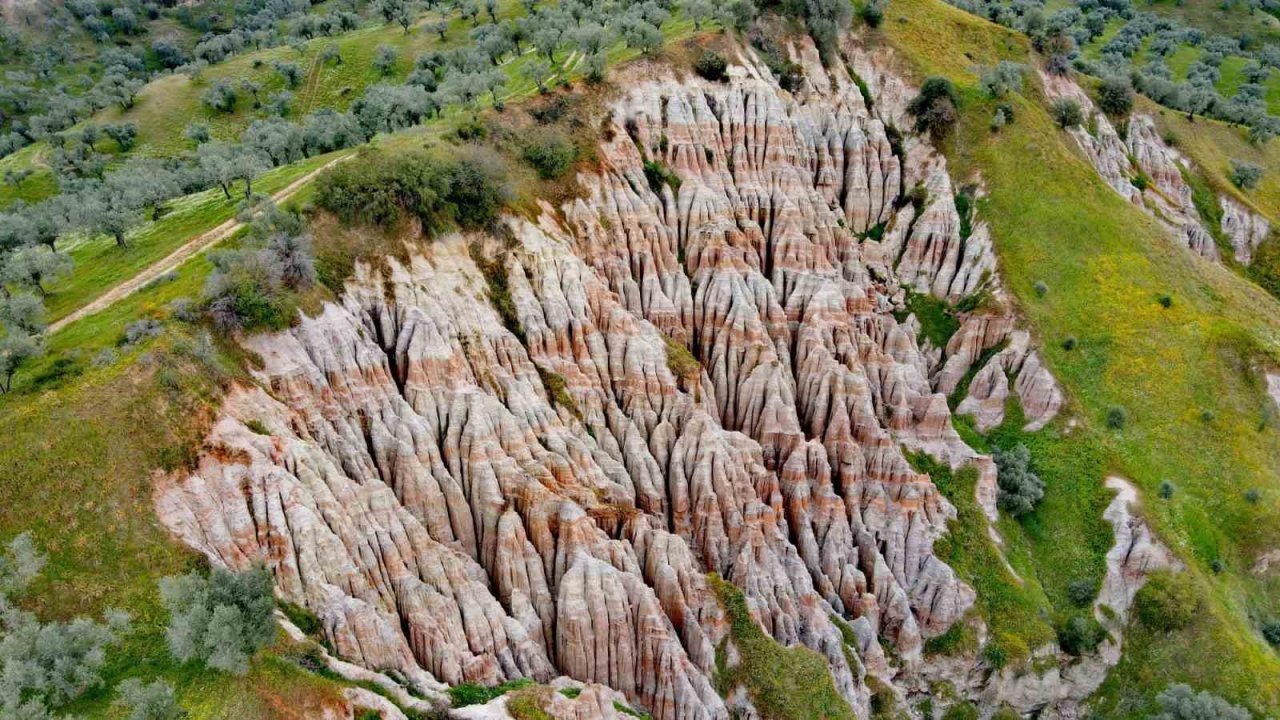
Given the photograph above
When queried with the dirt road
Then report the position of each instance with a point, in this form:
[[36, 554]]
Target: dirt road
[[189, 249]]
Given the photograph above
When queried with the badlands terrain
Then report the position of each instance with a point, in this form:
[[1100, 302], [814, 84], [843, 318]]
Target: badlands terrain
[[811, 362]]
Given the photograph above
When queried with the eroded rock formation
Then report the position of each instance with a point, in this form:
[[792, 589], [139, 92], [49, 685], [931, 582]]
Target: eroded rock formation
[[1149, 173], [467, 496]]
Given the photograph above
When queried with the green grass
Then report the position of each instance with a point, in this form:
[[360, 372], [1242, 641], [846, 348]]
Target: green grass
[[471, 694], [1053, 219], [937, 320], [1010, 605], [784, 683], [80, 459]]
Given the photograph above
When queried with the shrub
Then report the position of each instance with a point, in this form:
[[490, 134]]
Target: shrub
[[385, 60], [872, 12], [1082, 592], [658, 175], [381, 189], [221, 97], [1116, 418], [1271, 631], [1245, 175], [1166, 489], [1165, 602], [1080, 635], [935, 107], [1166, 301], [1041, 288], [550, 153], [1115, 95], [1066, 113], [1180, 702], [1002, 78], [140, 330], [1020, 488], [999, 120], [220, 619], [150, 701], [963, 710], [1069, 343], [197, 133], [1252, 496], [290, 72], [712, 66], [246, 291]]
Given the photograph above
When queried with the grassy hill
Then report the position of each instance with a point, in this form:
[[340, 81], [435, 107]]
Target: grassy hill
[[1187, 377]]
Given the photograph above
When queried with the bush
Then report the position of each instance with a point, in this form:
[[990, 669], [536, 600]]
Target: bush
[[935, 107], [1166, 301], [1115, 95], [221, 619], [1180, 702], [1165, 602], [1002, 78], [657, 175], [1166, 489], [1020, 488], [1041, 288], [999, 119], [1066, 113], [246, 291], [550, 153], [1245, 175], [1252, 496], [140, 330], [1069, 343], [381, 189], [221, 97], [1271, 632], [150, 701], [872, 12], [712, 66], [1082, 592], [1080, 635], [1116, 418]]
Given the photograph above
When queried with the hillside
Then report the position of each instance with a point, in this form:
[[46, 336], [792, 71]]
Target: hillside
[[739, 367]]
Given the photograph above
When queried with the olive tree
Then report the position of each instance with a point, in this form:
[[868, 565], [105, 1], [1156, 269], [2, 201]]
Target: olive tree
[[149, 701], [34, 266], [1180, 702], [1020, 488], [220, 619]]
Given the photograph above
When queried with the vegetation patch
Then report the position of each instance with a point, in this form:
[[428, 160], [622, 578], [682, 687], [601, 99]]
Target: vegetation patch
[[783, 682], [938, 321], [1011, 607], [472, 694]]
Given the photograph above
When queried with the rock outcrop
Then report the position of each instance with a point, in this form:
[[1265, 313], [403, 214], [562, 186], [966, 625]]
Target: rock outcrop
[[1141, 168], [1244, 228], [692, 377]]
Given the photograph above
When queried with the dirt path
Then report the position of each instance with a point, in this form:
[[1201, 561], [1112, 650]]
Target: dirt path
[[189, 249]]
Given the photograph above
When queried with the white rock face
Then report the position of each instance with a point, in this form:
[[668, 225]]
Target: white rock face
[[462, 497], [1143, 154], [1243, 227]]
